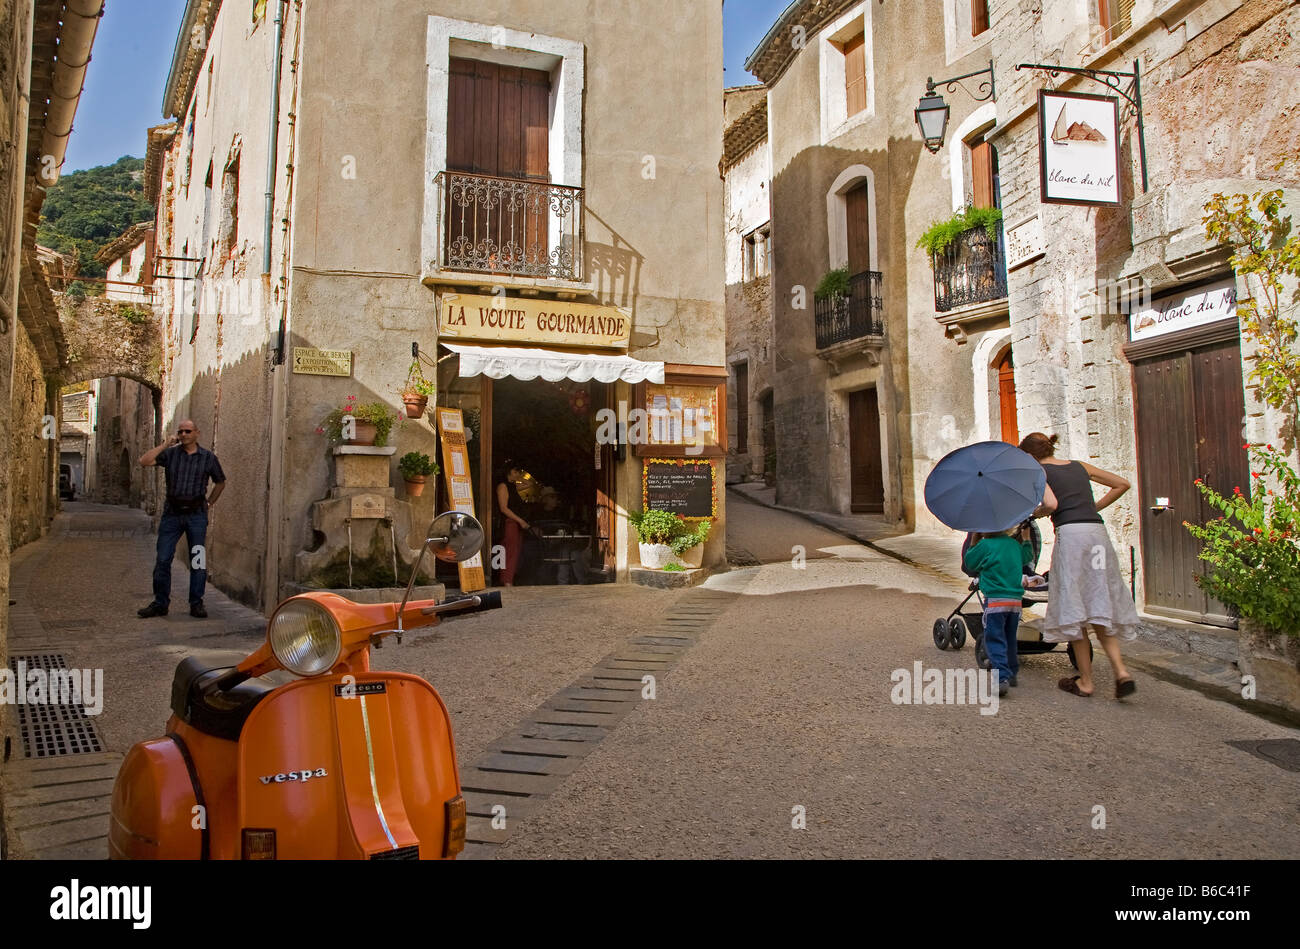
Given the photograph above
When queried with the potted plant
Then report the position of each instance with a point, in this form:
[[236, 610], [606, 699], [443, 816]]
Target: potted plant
[[416, 468], [416, 391], [656, 530], [366, 424], [688, 546], [940, 234], [834, 285]]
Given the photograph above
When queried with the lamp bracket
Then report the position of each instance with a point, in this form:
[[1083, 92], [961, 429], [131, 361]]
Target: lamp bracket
[[987, 88]]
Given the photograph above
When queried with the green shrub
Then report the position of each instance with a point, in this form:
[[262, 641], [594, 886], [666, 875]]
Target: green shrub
[[673, 568], [690, 537], [655, 527], [833, 285], [942, 233]]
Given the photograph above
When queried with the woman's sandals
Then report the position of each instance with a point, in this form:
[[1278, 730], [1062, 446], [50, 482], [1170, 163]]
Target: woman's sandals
[[1071, 684], [1125, 687]]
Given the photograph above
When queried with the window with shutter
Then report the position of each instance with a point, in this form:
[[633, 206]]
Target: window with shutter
[[1116, 17], [855, 74], [979, 16]]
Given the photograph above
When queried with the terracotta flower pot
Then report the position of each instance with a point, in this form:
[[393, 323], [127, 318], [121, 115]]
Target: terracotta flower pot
[[414, 485], [415, 404], [693, 557], [366, 432]]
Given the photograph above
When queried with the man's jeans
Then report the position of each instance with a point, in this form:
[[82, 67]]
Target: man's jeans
[[1000, 643], [170, 528]]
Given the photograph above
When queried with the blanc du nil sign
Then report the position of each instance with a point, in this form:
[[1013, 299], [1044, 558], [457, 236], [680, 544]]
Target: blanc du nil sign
[[523, 320], [1183, 310]]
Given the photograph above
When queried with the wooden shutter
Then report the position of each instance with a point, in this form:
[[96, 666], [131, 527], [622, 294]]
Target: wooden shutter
[[981, 168], [1007, 400], [979, 16], [855, 74], [859, 229], [1116, 17]]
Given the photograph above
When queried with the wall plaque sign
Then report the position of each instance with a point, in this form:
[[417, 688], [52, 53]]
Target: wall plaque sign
[[1078, 148], [1025, 242], [322, 362], [533, 321]]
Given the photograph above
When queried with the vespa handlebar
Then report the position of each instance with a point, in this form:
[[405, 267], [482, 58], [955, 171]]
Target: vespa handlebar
[[470, 603]]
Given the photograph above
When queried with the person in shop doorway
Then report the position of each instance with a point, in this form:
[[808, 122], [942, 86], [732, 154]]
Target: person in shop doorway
[[188, 467], [510, 521]]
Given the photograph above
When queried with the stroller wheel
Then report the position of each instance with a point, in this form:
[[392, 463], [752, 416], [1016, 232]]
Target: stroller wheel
[[956, 632], [941, 633], [1070, 652], [981, 656]]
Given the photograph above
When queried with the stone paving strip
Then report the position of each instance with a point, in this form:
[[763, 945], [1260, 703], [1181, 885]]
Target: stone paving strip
[[522, 768]]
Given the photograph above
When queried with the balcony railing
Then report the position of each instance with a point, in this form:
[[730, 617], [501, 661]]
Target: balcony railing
[[860, 314], [972, 269], [511, 226]]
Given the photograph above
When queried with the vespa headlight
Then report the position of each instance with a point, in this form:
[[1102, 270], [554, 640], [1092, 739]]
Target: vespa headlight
[[305, 638]]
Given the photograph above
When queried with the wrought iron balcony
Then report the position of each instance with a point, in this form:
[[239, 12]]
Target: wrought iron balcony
[[858, 315], [512, 226], [972, 269]]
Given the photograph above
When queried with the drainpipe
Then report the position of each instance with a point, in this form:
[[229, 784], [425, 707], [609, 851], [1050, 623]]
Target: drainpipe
[[273, 148], [76, 36]]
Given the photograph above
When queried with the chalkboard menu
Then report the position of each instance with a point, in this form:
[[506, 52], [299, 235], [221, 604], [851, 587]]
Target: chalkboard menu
[[680, 486]]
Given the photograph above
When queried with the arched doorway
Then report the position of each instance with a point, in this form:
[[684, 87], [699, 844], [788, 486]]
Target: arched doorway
[[1007, 397]]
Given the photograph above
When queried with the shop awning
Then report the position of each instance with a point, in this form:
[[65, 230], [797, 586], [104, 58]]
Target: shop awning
[[497, 362]]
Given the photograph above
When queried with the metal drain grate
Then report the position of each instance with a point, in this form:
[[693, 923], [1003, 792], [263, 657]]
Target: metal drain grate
[[49, 730], [1283, 752]]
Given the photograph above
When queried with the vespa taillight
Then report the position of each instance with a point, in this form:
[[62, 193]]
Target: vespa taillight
[[455, 813], [258, 844]]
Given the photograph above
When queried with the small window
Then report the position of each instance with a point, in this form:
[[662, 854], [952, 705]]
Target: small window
[[855, 74], [229, 235], [979, 16], [1116, 18], [757, 254]]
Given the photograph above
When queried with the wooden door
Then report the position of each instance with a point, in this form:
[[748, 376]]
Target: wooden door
[[1007, 399], [742, 408], [606, 508], [498, 120], [866, 472], [859, 232], [769, 437], [1190, 414]]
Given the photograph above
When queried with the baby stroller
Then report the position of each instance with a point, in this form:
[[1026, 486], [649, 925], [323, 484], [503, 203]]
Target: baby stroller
[[950, 632]]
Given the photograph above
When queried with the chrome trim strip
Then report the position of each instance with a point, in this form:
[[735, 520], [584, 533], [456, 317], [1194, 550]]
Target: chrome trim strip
[[374, 788]]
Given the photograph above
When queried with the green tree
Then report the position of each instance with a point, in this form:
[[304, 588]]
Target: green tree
[[88, 209]]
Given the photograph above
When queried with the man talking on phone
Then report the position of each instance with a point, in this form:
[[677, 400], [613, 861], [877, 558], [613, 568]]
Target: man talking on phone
[[188, 466]]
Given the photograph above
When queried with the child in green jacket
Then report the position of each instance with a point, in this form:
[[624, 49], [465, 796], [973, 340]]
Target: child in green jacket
[[999, 561]]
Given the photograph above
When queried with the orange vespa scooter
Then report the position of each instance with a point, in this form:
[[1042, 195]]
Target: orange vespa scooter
[[341, 763]]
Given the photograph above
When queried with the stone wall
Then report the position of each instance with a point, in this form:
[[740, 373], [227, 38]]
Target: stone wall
[[33, 447], [1219, 87]]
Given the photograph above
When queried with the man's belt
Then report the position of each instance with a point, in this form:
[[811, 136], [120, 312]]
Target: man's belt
[[185, 505]]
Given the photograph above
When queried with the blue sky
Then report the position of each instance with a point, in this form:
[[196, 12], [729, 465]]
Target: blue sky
[[133, 52]]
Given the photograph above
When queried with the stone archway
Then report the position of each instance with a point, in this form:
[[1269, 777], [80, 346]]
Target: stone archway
[[109, 338]]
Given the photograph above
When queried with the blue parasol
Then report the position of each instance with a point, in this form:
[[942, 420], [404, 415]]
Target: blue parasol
[[985, 487]]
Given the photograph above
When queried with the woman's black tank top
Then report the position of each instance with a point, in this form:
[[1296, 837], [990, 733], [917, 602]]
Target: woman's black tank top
[[1075, 503]]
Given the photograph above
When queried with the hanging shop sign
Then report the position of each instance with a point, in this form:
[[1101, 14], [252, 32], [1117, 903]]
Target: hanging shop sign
[[460, 488], [1184, 310], [530, 320], [1078, 148], [322, 362], [680, 486]]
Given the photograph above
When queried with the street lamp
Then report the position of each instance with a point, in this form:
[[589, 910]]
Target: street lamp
[[932, 118], [932, 111]]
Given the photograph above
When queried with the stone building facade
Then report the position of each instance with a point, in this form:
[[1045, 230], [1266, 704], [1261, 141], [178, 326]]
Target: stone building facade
[[1219, 81], [873, 388], [747, 176], [353, 254]]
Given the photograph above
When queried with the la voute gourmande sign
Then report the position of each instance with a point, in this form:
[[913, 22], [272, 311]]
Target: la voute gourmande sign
[[522, 320]]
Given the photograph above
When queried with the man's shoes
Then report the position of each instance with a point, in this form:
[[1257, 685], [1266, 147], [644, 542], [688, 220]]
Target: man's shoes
[[196, 609], [1013, 681], [1003, 687], [153, 609]]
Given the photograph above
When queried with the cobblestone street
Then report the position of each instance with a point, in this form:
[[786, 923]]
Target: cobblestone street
[[780, 700]]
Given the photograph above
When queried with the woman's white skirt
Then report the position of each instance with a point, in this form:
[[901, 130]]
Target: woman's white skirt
[[1087, 587]]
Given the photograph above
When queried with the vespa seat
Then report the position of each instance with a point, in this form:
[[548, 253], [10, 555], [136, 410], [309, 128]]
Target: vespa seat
[[220, 714]]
